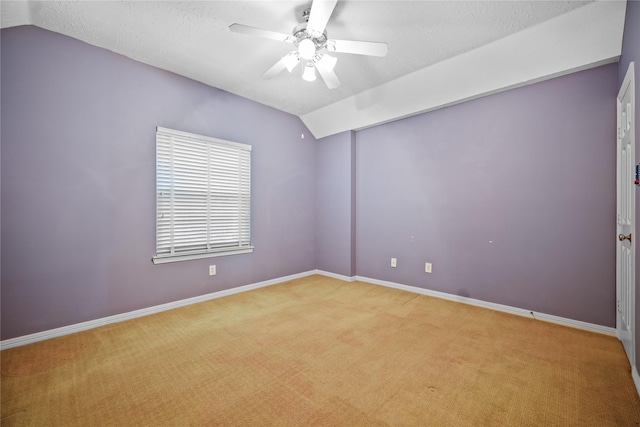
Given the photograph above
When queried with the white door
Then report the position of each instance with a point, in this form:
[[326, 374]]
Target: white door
[[626, 207]]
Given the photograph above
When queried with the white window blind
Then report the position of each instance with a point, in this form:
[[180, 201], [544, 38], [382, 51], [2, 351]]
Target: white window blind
[[203, 196]]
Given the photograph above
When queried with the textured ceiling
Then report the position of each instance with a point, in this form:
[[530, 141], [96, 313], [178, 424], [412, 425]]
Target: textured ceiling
[[192, 39]]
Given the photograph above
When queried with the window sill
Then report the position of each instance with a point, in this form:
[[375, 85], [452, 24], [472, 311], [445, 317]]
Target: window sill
[[187, 257]]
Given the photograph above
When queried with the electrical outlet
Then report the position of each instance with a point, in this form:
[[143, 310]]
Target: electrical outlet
[[427, 267], [394, 262], [212, 270]]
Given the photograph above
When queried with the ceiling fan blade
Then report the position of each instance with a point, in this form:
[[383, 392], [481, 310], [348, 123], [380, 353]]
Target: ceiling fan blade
[[275, 69], [259, 32], [325, 68], [321, 11], [289, 61], [358, 47]]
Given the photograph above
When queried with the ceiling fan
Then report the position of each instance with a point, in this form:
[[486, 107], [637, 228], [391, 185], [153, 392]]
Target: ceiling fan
[[311, 42]]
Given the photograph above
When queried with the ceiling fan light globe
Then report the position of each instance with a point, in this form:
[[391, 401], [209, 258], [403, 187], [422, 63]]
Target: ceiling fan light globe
[[306, 49], [309, 73]]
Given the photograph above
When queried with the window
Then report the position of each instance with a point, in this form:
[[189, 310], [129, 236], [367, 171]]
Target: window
[[203, 191]]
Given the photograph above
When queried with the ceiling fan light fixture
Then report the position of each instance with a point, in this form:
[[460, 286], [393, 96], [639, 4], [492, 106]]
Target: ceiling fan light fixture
[[306, 49], [309, 73]]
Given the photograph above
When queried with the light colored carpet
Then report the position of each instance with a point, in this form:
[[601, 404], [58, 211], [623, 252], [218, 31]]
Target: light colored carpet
[[319, 351]]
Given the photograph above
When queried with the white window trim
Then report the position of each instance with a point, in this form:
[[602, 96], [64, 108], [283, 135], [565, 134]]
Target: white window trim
[[184, 255]]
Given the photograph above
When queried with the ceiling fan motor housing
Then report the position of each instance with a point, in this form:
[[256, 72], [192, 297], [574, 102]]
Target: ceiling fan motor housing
[[300, 32]]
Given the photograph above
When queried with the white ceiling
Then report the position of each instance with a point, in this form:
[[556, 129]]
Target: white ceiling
[[440, 52]]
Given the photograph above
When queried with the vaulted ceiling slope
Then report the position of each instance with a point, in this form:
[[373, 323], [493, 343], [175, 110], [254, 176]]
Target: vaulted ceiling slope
[[440, 52]]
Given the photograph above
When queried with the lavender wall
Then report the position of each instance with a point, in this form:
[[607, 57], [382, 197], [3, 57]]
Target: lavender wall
[[511, 197], [335, 204], [78, 183], [631, 52], [530, 170]]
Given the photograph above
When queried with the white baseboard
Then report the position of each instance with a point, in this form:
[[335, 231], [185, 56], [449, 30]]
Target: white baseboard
[[78, 327], [335, 276], [636, 378], [499, 307]]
